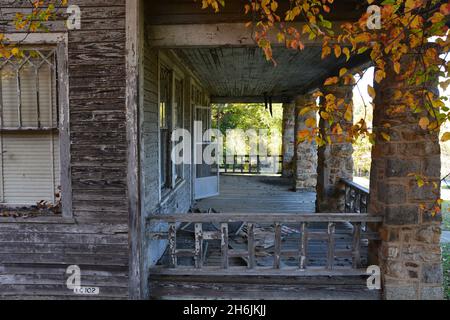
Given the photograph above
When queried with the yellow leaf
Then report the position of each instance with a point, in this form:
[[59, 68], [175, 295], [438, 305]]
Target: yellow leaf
[[446, 137], [274, 6], [304, 111], [397, 95], [348, 114], [331, 81], [397, 67], [386, 136], [337, 51], [15, 51], [325, 115], [311, 123], [342, 72], [346, 51], [371, 91], [424, 123], [380, 75], [420, 183]]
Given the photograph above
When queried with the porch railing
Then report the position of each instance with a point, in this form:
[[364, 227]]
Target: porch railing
[[356, 197], [328, 234], [246, 164]]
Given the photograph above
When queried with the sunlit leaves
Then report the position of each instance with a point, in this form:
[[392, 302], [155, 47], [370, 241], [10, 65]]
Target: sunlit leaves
[[445, 137], [331, 81], [371, 92], [33, 20]]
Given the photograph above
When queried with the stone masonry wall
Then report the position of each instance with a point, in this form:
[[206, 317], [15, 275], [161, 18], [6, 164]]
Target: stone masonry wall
[[409, 254], [335, 161], [288, 139], [305, 152]]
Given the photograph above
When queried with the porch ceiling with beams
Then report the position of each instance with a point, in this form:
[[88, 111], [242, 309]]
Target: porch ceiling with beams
[[219, 49], [244, 75]]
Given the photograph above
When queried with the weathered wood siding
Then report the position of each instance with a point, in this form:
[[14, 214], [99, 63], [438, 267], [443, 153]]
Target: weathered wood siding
[[34, 256]]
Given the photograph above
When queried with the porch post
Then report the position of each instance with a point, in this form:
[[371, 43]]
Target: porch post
[[305, 162], [409, 254], [134, 34], [288, 139], [335, 160]]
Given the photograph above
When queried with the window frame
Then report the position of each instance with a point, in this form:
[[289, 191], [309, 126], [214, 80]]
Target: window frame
[[176, 73], [59, 41], [177, 76], [165, 185]]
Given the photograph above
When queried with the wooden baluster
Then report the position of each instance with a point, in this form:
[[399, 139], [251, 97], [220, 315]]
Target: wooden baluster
[[258, 160], [251, 246], [172, 234], [304, 246], [242, 164], [250, 164], [277, 254], [224, 245], [234, 163], [226, 163], [199, 245], [347, 199], [356, 245], [331, 245], [275, 169]]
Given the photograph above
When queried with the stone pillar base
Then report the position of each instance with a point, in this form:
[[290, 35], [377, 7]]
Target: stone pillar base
[[305, 169]]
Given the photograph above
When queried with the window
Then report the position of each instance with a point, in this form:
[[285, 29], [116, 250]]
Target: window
[[165, 119], [29, 133], [171, 118], [179, 118]]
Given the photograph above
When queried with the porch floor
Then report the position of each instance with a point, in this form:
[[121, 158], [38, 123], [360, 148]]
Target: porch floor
[[258, 194]]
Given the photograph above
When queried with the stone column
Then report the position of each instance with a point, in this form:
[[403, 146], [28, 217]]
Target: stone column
[[409, 254], [335, 160], [288, 139], [305, 152]]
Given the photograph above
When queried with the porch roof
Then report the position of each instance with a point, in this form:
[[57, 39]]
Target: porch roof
[[220, 51]]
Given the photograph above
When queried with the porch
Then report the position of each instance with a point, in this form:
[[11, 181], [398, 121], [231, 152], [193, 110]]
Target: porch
[[303, 255], [291, 254]]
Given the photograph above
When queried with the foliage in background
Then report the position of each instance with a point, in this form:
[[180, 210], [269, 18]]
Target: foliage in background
[[33, 21], [249, 117], [446, 266], [446, 216]]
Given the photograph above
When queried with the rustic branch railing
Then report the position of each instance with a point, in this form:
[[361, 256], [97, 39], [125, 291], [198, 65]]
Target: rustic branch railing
[[247, 164], [356, 197], [303, 221]]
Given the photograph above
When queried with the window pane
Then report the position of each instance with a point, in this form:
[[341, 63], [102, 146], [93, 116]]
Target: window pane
[[10, 98], [165, 125], [30, 163], [29, 95]]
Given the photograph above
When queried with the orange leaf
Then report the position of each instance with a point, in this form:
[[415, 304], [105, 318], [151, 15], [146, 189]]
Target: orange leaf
[[331, 81]]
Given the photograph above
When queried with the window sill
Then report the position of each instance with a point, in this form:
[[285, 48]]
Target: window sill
[[167, 193]]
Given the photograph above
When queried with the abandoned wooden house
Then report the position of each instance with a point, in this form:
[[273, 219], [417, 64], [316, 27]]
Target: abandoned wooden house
[[87, 117]]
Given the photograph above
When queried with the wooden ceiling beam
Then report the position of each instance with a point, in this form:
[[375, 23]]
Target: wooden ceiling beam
[[250, 99], [214, 35]]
